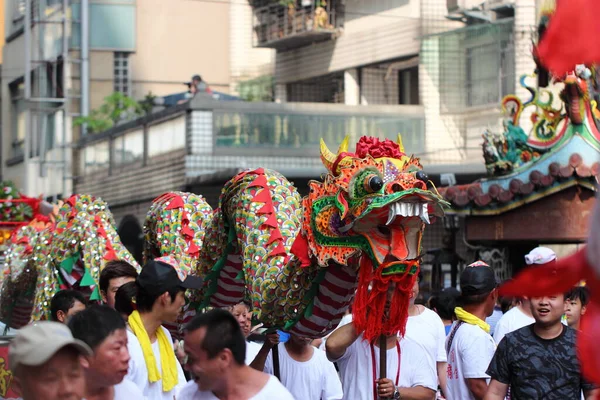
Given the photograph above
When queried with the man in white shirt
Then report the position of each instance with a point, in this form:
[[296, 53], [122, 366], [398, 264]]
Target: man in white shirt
[[469, 346], [520, 316], [412, 376], [216, 349], [160, 298], [426, 328], [103, 330], [305, 370]]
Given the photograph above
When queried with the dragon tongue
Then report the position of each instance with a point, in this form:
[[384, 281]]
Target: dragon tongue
[[398, 247]]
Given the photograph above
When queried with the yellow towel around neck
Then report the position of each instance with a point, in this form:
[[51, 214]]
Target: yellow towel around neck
[[470, 319], [168, 362]]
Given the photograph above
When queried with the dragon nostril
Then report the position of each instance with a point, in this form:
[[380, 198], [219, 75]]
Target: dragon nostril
[[396, 187]]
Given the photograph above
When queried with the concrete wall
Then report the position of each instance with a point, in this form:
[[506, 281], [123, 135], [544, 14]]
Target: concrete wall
[[374, 31], [174, 40]]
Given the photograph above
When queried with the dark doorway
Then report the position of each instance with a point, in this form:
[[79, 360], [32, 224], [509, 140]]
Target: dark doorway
[[132, 236]]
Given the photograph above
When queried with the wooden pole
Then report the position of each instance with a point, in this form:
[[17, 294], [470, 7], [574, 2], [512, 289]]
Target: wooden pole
[[382, 357], [276, 362]]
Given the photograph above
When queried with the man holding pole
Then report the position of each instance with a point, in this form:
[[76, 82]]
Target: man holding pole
[[411, 375]]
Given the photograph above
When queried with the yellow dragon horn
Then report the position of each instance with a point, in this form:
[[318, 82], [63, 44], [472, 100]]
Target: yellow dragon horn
[[399, 141], [344, 146], [327, 156]]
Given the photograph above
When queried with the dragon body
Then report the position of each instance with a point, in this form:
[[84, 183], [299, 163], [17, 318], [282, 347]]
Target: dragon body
[[300, 262]]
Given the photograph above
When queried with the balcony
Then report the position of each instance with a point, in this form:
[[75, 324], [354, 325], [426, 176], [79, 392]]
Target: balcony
[[282, 28]]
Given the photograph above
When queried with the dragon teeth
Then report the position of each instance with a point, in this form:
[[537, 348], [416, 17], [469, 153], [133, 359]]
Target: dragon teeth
[[408, 210], [425, 214]]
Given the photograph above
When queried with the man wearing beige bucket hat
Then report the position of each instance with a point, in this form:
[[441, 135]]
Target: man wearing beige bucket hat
[[45, 361]]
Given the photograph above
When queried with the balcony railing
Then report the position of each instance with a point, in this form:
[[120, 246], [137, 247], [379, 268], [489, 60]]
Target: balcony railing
[[280, 27]]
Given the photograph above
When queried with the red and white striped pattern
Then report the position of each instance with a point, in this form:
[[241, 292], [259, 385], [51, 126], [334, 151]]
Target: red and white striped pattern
[[336, 292], [231, 289]]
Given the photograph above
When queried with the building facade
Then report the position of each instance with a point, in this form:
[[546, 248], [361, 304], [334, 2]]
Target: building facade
[[134, 47]]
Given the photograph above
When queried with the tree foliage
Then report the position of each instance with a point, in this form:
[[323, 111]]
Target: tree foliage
[[116, 108], [257, 89]]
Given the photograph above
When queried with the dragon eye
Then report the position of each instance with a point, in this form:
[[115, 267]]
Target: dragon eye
[[373, 184], [422, 176]]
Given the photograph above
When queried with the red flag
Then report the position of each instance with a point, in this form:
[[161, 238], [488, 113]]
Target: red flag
[[571, 37]]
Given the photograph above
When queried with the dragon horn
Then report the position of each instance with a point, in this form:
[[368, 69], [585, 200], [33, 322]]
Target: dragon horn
[[327, 156], [399, 141], [344, 146]]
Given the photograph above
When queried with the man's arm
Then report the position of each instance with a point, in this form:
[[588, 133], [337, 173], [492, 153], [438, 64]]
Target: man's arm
[[442, 368], [261, 358], [496, 391], [477, 386], [385, 389], [339, 341], [416, 393]]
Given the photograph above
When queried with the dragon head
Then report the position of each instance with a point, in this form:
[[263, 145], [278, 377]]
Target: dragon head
[[374, 201], [370, 212]]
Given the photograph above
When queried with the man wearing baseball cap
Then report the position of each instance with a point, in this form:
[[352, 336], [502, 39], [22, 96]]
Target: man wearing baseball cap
[[520, 316], [160, 298], [46, 364], [469, 345]]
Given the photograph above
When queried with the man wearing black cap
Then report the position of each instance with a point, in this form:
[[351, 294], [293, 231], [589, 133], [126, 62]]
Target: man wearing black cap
[[469, 345], [160, 298]]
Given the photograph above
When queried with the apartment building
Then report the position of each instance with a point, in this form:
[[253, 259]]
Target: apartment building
[[455, 58], [134, 47]]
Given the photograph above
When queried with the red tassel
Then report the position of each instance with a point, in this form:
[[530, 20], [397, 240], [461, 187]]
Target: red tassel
[[369, 306], [570, 37]]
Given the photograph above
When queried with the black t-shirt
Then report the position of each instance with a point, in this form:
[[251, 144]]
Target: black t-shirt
[[537, 368]]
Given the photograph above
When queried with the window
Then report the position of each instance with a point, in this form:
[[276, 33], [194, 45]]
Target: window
[[489, 73], [321, 89], [408, 86], [122, 77], [17, 100], [95, 157], [129, 148]]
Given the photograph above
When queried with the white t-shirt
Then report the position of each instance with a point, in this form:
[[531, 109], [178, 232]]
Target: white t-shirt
[[346, 319], [469, 357], [428, 330], [315, 379], [252, 349], [512, 320], [138, 373], [127, 390], [356, 368], [272, 390]]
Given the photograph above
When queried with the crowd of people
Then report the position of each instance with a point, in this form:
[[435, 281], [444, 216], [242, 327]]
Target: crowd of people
[[464, 345]]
